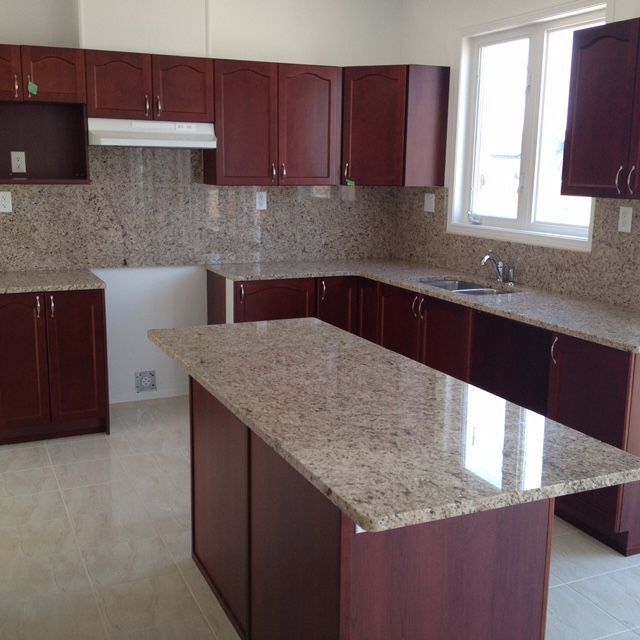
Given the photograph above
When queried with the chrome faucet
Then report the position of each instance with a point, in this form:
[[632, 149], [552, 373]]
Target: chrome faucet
[[504, 271]]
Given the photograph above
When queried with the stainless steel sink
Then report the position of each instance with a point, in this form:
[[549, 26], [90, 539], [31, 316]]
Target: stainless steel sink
[[463, 286]]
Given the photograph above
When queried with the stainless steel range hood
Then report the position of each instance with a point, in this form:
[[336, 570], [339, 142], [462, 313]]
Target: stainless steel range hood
[[151, 133]]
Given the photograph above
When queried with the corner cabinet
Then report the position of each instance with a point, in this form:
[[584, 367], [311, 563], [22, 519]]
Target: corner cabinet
[[277, 124], [395, 125], [53, 365], [602, 144], [275, 299]]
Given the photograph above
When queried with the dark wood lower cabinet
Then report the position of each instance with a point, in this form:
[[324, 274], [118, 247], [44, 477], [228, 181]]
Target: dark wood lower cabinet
[[400, 322], [367, 320], [309, 574], [275, 299], [338, 301]]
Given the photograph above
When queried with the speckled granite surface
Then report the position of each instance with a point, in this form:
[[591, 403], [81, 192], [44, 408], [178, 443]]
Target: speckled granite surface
[[609, 325], [390, 442], [34, 281]]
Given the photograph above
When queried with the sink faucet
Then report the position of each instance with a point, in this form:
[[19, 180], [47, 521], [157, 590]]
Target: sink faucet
[[504, 272]]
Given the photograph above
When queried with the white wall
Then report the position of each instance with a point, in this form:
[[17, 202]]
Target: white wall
[[43, 22], [150, 298]]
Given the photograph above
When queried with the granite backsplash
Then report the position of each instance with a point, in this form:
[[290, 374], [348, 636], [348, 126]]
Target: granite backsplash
[[147, 207]]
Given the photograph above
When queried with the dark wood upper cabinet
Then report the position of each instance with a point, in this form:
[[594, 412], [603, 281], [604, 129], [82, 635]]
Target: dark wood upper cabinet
[[182, 88], [400, 323], [338, 302], [59, 74], [309, 100], [77, 355], [24, 381], [119, 85], [394, 125], [275, 299], [601, 155], [246, 108], [10, 72]]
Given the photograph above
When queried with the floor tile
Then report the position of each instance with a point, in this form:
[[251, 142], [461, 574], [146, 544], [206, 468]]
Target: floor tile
[[570, 616], [112, 527], [37, 480], [562, 527], [34, 507], [178, 544], [82, 474], [180, 628], [38, 539], [62, 451], [16, 457], [111, 497]]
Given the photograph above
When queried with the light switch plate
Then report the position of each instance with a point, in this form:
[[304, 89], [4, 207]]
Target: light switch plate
[[429, 202], [6, 206], [261, 200], [624, 221], [18, 162]]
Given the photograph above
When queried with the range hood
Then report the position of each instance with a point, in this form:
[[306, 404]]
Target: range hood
[[151, 133]]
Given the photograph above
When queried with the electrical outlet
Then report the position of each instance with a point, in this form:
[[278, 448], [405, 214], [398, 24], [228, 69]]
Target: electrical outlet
[[261, 200], [18, 162], [624, 221], [5, 202], [145, 381], [430, 202]]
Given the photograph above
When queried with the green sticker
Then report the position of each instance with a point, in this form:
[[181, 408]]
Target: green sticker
[[351, 183], [32, 88]]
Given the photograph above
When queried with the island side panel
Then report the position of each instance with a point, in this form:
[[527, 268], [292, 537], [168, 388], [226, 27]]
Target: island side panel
[[216, 298], [220, 499], [482, 576]]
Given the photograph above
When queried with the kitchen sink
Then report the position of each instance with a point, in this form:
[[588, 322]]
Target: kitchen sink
[[463, 286]]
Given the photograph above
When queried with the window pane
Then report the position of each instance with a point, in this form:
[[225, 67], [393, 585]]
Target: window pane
[[550, 206], [502, 92]]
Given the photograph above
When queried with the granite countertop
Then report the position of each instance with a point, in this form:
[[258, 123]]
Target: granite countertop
[[389, 441], [604, 324], [35, 281]]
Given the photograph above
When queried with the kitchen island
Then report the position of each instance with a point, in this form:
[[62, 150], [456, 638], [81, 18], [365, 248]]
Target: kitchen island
[[341, 491]]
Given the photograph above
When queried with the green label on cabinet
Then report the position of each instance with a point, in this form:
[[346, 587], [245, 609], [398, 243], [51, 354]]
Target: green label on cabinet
[[32, 88]]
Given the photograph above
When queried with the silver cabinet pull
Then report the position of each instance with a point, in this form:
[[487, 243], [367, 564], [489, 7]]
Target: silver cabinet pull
[[629, 179], [346, 170], [146, 105], [16, 86], [420, 309], [284, 170], [159, 106], [324, 290], [28, 83], [241, 294], [618, 179], [274, 173], [413, 307], [53, 307], [38, 307], [554, 359]]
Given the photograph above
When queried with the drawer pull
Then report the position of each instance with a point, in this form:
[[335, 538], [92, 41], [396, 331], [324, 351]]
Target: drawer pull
[[53, 307], [413, 307], [241, 294], [554, 359], [38, 307]]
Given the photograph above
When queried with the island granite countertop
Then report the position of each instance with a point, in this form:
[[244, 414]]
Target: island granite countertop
[[35, 281], [389, 441], [604, 324]]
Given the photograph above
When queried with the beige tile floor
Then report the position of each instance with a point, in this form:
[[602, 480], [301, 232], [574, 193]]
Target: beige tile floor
[[95, 543]]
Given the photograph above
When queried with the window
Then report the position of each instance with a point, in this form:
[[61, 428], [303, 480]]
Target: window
[[514, 97]]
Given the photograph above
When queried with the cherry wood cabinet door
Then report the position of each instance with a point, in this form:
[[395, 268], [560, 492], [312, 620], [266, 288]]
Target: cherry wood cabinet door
[[447, 338], [246, 108], [10, 72], [182, 88], [119, 85], [309, 102], [24, 382], [368, 309], [220, 502], [511, 359], [59, 74], [275, 299], [373, 125], [400, 323], [338, 301], [77, 355], [603, 74], [588, 388]]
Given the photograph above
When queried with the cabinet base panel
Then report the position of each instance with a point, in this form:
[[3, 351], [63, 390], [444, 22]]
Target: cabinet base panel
[[51, 430]]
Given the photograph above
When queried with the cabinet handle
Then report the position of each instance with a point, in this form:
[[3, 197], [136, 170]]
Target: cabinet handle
[[241, 294], [38, 307], [274, 173], [324, 290], [53, 307], [629, 179], [16, 86], [618, 179], [284, 170], [413, 307], [554, 359], [420, 309], [146, 105], [159, 106], [28, 83], [346, 170]]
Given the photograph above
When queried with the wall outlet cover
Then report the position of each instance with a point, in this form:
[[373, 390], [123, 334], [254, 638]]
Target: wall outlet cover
[[18, 162], [430, 202], [145, 381], [625, 219], [6, 206], [261, 200]]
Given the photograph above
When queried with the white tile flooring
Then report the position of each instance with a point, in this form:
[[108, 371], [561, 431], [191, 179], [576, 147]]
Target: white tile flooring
[[95, 543]]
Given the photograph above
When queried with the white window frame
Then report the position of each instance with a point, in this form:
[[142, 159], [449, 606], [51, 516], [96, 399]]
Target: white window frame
[[523, 229]]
